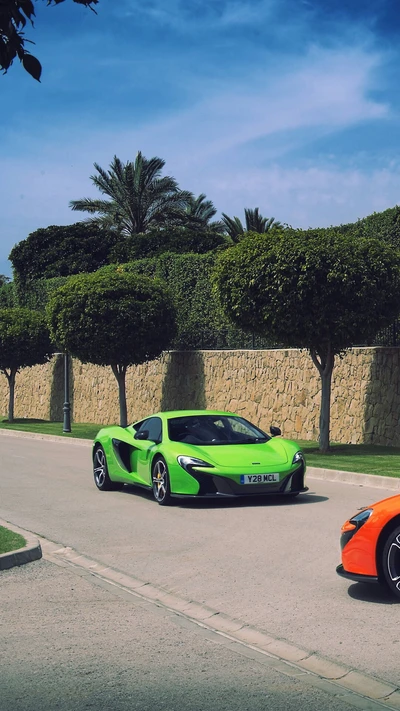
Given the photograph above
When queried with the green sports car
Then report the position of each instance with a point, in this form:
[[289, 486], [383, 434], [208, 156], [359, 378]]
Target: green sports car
[[197, 453]]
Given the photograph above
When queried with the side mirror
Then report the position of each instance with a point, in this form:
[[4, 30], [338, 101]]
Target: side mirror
[[143, 434], [275, 431]]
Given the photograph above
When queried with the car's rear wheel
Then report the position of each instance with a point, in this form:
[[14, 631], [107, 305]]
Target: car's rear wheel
[[161, 482], [391, 561], [100, 471]]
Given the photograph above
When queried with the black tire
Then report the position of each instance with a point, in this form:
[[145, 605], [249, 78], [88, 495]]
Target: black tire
[[160, 482], [100, 471], [391, 561]]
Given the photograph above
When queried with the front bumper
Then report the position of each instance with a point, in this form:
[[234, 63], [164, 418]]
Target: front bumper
[[356, 577], [213, 485]]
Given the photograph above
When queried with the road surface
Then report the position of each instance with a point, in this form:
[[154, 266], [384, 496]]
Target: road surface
[[268, 563]]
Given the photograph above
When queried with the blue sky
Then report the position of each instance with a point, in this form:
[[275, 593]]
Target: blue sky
[[289, 106]]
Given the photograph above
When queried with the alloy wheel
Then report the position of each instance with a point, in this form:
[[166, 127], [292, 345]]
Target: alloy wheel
[[392, 562], [100, 468], [160, 480]]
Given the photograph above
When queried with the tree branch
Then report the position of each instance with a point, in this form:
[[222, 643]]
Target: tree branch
[[13, 18]]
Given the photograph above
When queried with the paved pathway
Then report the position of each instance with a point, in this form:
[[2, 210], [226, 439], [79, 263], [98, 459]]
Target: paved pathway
[[89, 645]]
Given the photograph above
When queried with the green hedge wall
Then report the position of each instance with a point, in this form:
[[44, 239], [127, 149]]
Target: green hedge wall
[[62, 250], [201, 323], [35, 293], [179, 240], [8, 296], [384, 226]]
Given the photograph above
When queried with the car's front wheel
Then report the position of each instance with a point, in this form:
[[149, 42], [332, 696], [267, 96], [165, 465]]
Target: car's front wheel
[[100, 471], [161, 482], [391, 561]]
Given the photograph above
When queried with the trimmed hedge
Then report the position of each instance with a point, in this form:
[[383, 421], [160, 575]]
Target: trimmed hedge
[[36, 293], [62, 250], [8, 296], [201, 322], [385, 226], [180, 240]]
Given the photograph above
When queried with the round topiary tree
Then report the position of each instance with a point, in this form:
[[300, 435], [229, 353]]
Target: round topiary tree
[[117, 319], [314, 289], [24, 342]]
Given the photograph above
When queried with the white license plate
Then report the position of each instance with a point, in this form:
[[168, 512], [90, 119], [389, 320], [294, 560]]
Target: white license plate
[[259, 478]]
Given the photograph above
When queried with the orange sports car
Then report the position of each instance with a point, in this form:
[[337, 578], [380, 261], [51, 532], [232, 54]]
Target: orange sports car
[[370, 544]]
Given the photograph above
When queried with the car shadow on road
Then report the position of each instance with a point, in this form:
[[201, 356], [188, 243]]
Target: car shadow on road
[[241, 502], [371, 592], [251, 501]]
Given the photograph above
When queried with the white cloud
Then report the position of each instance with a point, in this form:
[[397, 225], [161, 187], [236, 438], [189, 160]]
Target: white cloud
[[329, 90], [202, 16], [213, 148], [313, 197]]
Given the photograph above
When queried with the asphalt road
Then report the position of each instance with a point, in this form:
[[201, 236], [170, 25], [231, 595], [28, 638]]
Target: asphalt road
[[269, 563]]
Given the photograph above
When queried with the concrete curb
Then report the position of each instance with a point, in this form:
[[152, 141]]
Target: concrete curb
[[32, 551], [373, 480], [344, 678], [49, 438]]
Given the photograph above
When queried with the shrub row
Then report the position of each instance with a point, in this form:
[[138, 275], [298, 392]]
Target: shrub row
[[201, 322]]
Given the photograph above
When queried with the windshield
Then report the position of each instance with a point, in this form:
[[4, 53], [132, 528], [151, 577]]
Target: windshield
[[214, 429]]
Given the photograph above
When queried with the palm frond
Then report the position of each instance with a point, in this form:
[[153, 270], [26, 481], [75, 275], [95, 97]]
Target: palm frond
[[201, 209], [233, 226], [255, 222], [89, 205]]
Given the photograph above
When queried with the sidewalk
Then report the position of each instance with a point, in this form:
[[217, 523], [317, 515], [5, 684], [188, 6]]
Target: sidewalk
[[75, 642]]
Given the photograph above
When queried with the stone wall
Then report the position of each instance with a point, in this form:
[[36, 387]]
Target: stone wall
[[278, 387]]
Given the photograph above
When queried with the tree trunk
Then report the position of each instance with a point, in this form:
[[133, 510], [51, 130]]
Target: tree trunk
[[11, 387], [120, 374], [325, 412], [324, 364]]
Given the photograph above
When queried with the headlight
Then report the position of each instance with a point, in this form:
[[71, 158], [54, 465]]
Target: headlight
[[359, 519], [188, 462], [298, 457]]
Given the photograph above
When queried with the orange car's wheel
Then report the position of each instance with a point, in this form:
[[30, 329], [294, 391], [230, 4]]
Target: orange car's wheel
[[391, 561]]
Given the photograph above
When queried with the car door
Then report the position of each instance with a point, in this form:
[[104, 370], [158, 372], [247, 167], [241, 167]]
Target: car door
[[147, 437]]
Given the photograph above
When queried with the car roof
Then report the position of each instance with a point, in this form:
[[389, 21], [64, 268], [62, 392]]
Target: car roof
[[168, 414]]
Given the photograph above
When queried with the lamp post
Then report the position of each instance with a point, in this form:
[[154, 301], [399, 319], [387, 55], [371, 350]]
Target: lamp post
[[67, 404]]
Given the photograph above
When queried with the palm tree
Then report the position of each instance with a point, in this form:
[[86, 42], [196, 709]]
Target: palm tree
[[139, 197], [199, 213], [255, 222]]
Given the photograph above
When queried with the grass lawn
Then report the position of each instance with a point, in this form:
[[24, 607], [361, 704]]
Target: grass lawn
[[83, 431], [362, 458], [10, 541]]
